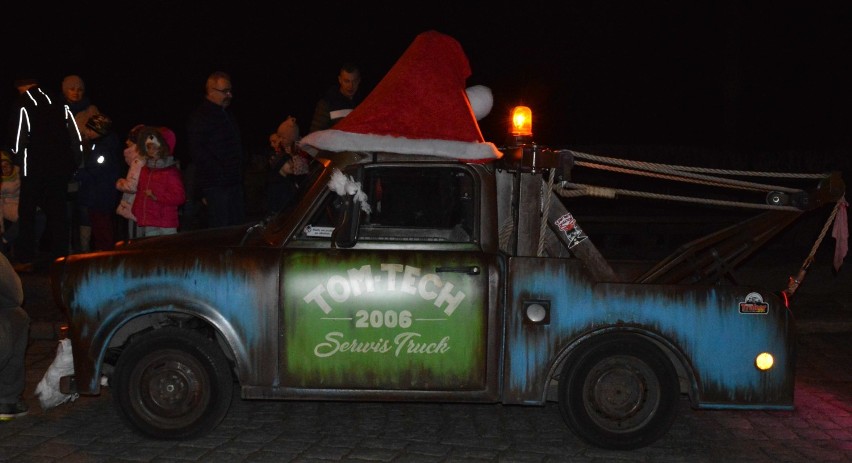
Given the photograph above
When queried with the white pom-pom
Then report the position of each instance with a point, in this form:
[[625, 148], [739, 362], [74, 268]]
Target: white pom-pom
[[481, 100], [337, 183]]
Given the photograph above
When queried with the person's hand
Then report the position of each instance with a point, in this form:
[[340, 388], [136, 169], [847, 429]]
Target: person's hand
[[287, 168]]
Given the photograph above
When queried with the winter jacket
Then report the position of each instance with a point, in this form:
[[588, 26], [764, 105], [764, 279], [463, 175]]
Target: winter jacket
[[333, 107], [215, 146], [101, 168], [82, 110], [46, 139], [163, 178], [127, 186], [10, 193], [11, 291]]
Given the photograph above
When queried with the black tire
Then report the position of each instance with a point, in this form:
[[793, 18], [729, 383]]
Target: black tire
[[620, 392], [172, 384]]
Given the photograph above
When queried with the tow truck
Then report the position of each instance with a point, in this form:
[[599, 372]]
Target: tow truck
[[399, 276]]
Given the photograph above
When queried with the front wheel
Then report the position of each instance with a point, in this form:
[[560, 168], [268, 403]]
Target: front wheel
[[172, 384], [621, 392]]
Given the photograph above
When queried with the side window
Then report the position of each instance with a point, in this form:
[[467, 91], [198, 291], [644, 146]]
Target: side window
[[322, 223], [418, 203], [407, 203]]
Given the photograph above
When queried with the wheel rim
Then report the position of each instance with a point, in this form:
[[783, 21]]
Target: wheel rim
[[170, 388], [621, 393]]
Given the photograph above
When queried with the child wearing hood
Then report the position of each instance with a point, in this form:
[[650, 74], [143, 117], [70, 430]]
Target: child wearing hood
[[159, 192], [127, 185]]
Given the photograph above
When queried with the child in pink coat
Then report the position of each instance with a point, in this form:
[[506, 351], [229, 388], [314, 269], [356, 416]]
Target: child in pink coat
[[159, 192]]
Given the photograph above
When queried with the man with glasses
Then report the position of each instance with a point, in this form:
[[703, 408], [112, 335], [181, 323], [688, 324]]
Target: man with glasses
[[217, 155]]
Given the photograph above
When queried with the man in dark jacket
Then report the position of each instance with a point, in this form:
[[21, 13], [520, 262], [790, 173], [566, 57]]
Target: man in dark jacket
[[217, 154], [47, 147], [340, 100]]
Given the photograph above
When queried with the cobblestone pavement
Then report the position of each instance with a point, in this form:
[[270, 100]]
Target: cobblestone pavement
[[89, 429]]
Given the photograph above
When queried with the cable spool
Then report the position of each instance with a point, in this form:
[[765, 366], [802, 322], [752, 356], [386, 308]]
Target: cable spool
[[777, 198]]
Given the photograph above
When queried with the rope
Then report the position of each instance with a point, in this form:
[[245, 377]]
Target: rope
[[687, 174], [794, 282], [824, 230], [589, 190], [695, 178], [560, 190], [705, 170], [548, 195]]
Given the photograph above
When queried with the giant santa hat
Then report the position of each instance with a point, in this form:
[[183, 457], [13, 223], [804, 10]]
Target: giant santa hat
[[419, 107]]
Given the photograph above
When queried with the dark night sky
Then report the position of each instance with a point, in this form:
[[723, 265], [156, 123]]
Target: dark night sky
[[718, 75]]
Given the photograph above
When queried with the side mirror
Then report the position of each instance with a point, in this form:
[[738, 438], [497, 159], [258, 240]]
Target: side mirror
[[345, 233], [346, 224]]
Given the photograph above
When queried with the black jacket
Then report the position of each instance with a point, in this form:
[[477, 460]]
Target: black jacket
[[46, 141], [333, 107], [215, 146]]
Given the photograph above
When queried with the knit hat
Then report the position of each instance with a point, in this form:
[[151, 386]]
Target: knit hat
[[99, 124], [170, 138], [419, 107], [288, 129]]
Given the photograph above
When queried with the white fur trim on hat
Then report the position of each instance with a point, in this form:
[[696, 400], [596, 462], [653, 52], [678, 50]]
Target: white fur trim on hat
[[336, 140]]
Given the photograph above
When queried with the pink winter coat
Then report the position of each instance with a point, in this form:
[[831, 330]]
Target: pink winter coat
[[167, 187]]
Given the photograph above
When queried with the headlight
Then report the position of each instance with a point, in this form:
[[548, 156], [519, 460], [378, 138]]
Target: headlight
[[764, 361]]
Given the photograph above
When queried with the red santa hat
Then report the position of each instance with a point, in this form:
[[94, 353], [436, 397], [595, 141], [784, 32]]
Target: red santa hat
[[420, 107]]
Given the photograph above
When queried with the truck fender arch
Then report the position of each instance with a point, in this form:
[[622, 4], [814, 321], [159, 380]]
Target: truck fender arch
[[680, 362], [149, 302]]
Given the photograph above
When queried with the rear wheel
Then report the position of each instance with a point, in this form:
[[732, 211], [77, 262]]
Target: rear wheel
[[172, 384], [621, 392]]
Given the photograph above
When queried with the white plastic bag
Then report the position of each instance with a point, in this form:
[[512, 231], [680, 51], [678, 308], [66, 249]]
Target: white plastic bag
[[48, 388]]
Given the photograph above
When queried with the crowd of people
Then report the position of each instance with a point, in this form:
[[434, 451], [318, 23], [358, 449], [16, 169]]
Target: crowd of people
[[66, 176], [70, 185]]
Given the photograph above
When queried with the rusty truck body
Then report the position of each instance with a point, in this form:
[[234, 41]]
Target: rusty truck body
[[436, 280]]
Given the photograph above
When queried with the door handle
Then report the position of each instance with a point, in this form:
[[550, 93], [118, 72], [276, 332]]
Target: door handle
[[472, 270]]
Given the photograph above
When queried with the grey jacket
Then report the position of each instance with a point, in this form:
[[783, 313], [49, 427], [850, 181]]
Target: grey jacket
[[11, 291]]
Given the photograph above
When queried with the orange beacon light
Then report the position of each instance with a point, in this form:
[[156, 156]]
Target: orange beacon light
[[521, 121]]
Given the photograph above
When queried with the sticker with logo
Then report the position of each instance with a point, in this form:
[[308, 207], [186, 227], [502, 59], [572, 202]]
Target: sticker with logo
[[574, 235], [754, 305]]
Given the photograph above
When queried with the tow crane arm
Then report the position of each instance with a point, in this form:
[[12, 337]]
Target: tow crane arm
[[705, 260], [708, 259]]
